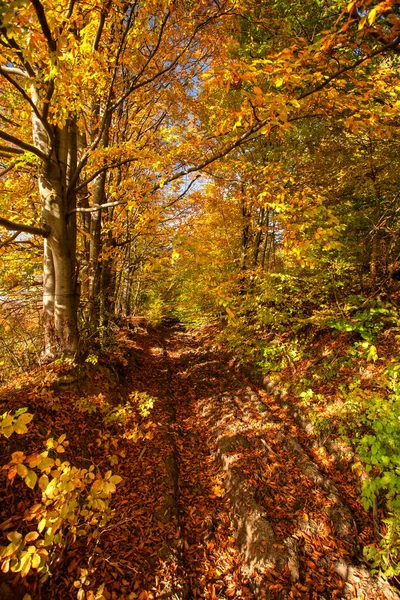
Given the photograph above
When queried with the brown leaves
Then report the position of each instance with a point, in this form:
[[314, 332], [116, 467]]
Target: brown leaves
[[137, 556]]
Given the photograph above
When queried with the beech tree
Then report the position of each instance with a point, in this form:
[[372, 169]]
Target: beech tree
[[111, 105], [72, 70]]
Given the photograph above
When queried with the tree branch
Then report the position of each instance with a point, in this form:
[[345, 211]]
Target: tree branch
[[183, 194], [152, 54], [96, 207], [7, 169], [28, 147], [10, 239], [101, 170], [14, 71], [11, 226], [22, 92], [9, 121], [11, 43], [108, 109], [347, 68], [100, 27], [41, 15], [10, 150], [70, 9]]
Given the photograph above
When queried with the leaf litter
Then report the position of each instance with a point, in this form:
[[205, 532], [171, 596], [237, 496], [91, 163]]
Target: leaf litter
[[222, 495]]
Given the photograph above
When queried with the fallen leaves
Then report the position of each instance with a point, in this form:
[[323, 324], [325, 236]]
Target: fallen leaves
[[167, 459]]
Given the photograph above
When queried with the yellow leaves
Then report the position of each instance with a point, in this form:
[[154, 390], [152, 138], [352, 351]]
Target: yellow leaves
[[362, 23], [15, 423], [31, 479], [17, 457], [237, 124], [351, 5], [217, 491], [36, 560], [372, 14], [318, 233], [14, 536], [57, 445], [65, 502], [41, 524], [43, 482], [20, 426], [22, 470], [46, 463]]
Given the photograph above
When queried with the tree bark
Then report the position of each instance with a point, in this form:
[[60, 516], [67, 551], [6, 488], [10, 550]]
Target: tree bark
[[99, 198], [257, 243], [59, 282], [12, 226]]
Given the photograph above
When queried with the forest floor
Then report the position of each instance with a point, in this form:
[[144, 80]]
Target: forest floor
[[223, 495]]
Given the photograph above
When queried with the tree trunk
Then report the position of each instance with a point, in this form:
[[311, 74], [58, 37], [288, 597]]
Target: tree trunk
[[107, 293], [257, 243], [94, 253], [59, 290], [266, 240], [59, 281], [99, 198], [83, 202]]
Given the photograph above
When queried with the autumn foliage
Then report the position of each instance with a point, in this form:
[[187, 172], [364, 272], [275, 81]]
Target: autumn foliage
[[229, 165]]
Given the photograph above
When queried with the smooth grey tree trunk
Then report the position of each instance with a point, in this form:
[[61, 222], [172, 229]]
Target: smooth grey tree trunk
[[59, 277]]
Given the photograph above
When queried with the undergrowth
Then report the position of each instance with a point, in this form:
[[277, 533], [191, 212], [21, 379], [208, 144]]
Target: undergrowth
[[59, 460], [341, 365]]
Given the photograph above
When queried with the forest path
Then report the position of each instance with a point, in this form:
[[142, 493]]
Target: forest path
[[230, 502]]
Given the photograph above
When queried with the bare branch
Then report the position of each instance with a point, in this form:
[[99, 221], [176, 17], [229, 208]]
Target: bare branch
[[14, 71], [134, 85], [10, 239], [183, 194], [96, 207], [12, 226], [23, 145], [41, 15], [10, 150]]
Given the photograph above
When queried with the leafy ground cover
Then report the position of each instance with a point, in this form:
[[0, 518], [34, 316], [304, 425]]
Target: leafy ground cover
[[340, 377], [208, 487]]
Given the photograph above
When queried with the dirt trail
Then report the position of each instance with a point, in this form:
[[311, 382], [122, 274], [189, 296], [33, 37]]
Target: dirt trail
[[222, 496], [229, 503]]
